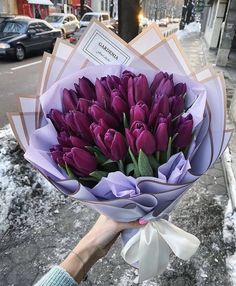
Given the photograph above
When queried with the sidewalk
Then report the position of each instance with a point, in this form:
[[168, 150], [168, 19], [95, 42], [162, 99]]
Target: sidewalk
[[44, 225]]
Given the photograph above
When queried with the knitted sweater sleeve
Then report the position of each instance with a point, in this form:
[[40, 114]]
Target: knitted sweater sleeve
[[57, 276]]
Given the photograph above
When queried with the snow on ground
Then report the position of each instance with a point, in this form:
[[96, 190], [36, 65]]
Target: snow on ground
[[230, 236], [189, 30], [24, 193]]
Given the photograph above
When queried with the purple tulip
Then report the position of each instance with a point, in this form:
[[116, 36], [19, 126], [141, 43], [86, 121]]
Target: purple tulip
[[139, 137], [126, 75], [78, 142], [69, 100], [58, 119], [180, 89], [176, 105], [82, 161], [138, 89], [139, 112], [98, 113], [118, 104], [102, 94], [83, 123], [84, 104], [86, 88], [111, 142], [79, 124], [113, 82], [166, 86], [162, 136], [57, 156], [184, 127], [64, 139], [156, 82], [70, 122], [115, 144], [160, 107]]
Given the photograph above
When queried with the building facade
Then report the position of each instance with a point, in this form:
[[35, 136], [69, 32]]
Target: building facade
[[8, 7], [218, 25]]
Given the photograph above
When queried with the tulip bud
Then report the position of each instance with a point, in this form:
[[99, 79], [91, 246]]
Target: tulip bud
[[87, 89], [98, 113], [163, 104], [184, 131], [113, 82], [180, 89], [176, 105], [83, 105], [139, 112], [70, 122], [64, 140], [156, 82], [162, 137], [84, 161], [82, 123], [78, 142], [139, 137], [118, 104], [69, 100], [115, 144], [138, 90], [102, 94], [58, 120], [57, 156]]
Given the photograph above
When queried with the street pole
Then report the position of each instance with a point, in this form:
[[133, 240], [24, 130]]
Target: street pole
[[81, 8], [128, 23]]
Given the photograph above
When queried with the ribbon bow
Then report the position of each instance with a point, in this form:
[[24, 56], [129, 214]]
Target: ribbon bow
[[151, 246]]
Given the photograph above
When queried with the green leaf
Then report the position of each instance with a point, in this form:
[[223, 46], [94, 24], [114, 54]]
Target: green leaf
[[93, 149], [144, 166], [109, 161], [153, 162], [98, 174], [125, 121], [136, 169], [129, 168], [101, 159], [69, 172]]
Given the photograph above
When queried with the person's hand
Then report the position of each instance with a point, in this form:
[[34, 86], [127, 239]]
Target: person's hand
[[105, 232], [94, 245]]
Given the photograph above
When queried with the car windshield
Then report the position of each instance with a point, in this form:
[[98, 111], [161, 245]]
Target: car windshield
[[54, 18], [13, 27], [88, 18]]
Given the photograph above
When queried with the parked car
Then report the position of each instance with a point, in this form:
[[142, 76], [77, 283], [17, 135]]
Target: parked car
[[103, 17], [163, 23], [22, 36], [76, 36], [68, 23]]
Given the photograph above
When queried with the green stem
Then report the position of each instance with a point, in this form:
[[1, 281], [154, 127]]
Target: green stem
[[168, 154], [121, 166], [158, 157]]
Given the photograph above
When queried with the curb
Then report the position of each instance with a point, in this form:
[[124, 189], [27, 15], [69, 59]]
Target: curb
[[229, 175]]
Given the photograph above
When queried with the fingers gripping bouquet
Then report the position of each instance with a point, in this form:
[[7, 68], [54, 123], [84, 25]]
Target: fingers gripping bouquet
[[128, 142]]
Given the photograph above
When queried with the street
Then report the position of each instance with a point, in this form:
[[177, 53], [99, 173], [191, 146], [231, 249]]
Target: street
[[16, 78]]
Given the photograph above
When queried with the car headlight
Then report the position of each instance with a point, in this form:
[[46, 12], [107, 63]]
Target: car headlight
[[4, 46]]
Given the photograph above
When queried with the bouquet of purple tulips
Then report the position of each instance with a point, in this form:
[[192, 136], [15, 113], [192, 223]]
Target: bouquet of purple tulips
[[127, 140], [120, 124]]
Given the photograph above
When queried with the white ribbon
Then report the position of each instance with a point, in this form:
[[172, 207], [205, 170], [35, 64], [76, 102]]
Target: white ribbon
[[151, 246]]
